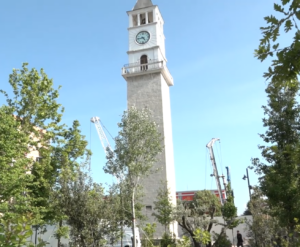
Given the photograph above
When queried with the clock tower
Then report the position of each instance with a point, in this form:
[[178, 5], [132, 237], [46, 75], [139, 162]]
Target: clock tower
[[148, 81]]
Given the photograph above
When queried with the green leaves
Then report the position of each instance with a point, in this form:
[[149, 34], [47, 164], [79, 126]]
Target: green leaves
[[184, 242], [34, 98], [278, 8], [284, 2], [278, 181], [229, 211], [136, 148], [198, 214], [288, 26], [271, 19], [164, 208], [15, 230], [202, 236], [36, 150], [263, 227], [285, 66], [279, 175]]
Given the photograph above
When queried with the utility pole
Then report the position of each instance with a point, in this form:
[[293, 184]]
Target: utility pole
[[35, 227]]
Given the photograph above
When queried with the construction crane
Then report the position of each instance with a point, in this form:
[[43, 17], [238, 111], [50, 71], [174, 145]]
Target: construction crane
[[215, 169], [104, 141], [229, 191]]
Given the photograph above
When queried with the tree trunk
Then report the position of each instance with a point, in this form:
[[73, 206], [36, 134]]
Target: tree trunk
[[122, 217], [190, 231], [221, 234], [58, 239], [133, 219], [211, 224], [196, 244], [232, 237]]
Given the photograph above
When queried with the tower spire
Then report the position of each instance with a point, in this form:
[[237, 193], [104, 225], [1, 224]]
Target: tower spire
[[142, 4]]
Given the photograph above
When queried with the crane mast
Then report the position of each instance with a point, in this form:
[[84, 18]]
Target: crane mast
[[101, 134], [104, 141], [215, 169]]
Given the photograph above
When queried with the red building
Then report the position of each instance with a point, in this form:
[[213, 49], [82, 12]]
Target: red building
[[189, 195]]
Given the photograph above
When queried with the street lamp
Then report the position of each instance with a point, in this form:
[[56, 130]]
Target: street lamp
[[249, 186], [35, 227]]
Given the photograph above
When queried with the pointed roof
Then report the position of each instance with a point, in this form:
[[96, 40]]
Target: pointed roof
[[142, 4]]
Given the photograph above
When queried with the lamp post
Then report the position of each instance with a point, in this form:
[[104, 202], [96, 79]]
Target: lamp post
[[249, 186], [35, 227]]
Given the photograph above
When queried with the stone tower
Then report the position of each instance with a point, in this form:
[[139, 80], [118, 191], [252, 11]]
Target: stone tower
[[148, 81]]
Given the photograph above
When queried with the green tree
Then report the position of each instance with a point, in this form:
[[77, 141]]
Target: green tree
[[38, 117], [221, 240], [90, 213], [31, 123], [264, 229], [15, 228], [148, 233], [163, 207], [285, 67], [202, 236], [71, 154], [279, 176], [136, 148], [13, 147], [14, 231], [229, 213], [198, 214], [279, 173]]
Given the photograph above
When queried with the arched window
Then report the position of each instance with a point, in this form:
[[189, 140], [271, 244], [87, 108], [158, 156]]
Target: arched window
[[144, 60]]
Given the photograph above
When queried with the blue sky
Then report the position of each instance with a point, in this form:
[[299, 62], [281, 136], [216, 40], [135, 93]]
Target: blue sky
[[218, 85]]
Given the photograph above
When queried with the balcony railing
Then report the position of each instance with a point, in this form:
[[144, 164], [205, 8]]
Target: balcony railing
[[139, 68]]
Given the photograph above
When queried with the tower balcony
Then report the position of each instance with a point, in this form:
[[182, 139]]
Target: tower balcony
[[153, 66]]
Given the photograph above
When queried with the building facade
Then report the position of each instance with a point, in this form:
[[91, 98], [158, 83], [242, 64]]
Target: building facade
[[189, 195]]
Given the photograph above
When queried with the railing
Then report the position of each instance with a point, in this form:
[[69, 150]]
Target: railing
[[139, 68]]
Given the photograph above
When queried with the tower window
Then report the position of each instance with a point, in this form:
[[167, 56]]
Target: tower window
[[150, 17], [134, 20], [143, 19], [144, 60]]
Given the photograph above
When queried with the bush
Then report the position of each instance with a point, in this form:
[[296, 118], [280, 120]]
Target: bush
[[167, 240], [221, 240]]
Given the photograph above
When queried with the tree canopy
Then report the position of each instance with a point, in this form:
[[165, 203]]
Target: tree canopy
[[198, 214], [285, 66], [279, 169], [136, 148], [164, 209], [36, 149]]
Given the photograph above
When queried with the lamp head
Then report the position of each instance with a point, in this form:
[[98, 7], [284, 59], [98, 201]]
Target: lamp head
[[245, 177]]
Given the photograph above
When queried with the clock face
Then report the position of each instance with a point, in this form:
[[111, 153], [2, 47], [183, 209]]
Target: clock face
[[142, 37]]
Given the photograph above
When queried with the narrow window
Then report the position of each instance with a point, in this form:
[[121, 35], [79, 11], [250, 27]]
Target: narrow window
[[143, 19], [144, 60], [134, 20], [150, 17]]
